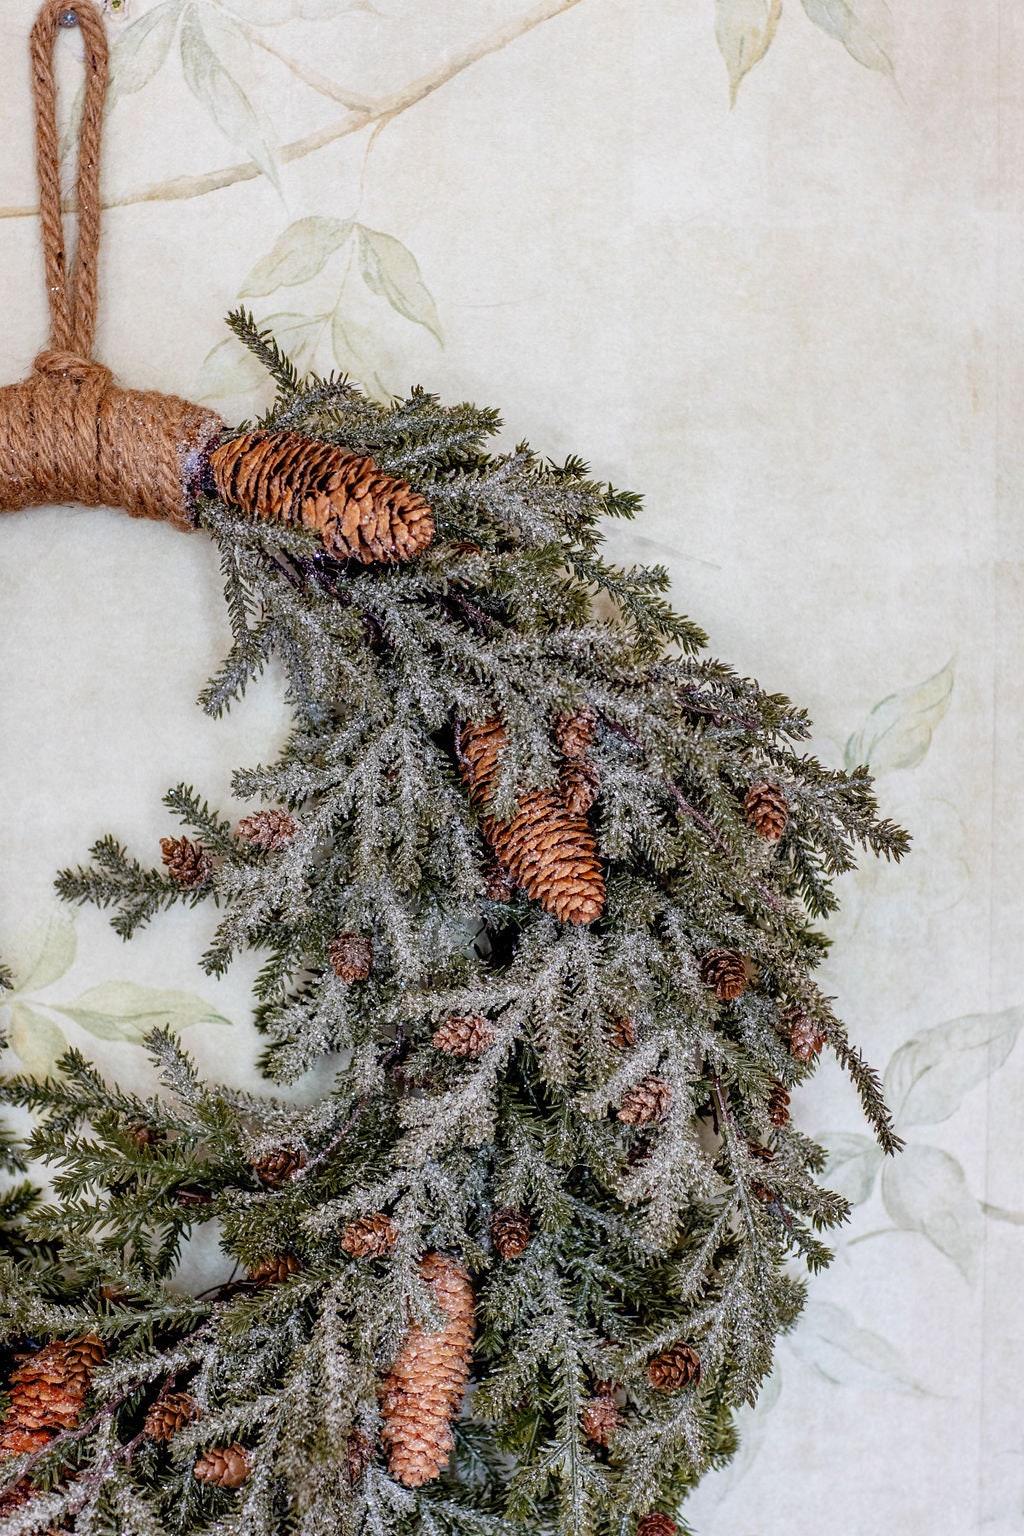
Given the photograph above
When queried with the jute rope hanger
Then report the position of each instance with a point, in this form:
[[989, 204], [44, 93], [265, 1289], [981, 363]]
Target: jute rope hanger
[[69, 433]]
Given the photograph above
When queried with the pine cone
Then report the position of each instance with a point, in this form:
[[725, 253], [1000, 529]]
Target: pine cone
[[81, 1357], [622, 1034], [270, 831], [778, 1106], [351, 955], [275, 1269], [498, 884], [48, 1390], [169, 1414], [675, 1369], [657, 1524], [600, 1418], [510, 1233], [359, 512], [805, 1038], [369, 1237], [275, 1168], [15, 1441], [359, 1454], [574, 733], [143, 1136], [425, 1388], [464, 1034], [722, 970], [766, 811], [226, 1466], [763, 1154], [188, 864], [580, 784], [548, 851], [646, 1102]]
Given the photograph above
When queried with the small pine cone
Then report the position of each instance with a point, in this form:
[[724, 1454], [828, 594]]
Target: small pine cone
[[269, 831], [143, 1136], [498, 884], [722, 970], [600, 1418], [646, 1102], [678, 1367], [81, 1357], [762, 1192], [351, 955], [225, 1466], [778, 1106], [169, 1414], [464, 1034], [510, 1233], [805, 1038], [622, 1034], [763, 1154], [369, 1237], [547, 850], [574, 733], [359, 1454], [360, 512], [188, 864], [580, 784], [427, 1382], [766, 811], [275, 1269], [656, 1524], [275, 1168]]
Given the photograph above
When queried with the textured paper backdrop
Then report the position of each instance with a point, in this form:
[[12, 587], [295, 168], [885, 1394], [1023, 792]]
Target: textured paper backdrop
[[795, 325]]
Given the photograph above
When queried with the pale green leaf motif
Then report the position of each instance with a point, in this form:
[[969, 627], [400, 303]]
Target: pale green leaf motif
[[297, 255], [391, 270], [213, 85], [864, 27], [123, 1010], [928, 1077], [38, 1041], [230, 369], [140, 49], [744, 29], [831, 1342], [42, 952], [925, 1191], [263, 13], [353, 346], [853, 1164], [899, 730]]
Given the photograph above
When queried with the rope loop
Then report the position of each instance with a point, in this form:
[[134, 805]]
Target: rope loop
[[71, 366]]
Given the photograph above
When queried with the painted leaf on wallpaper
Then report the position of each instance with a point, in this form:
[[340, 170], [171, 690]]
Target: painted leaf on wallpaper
[[140, 49], [864, 27], [899, 730], [353, 346], [928, 1077], [216, 88], [230, 369], [925, 1191], [744, 29], [43, 952], [123, 1010], [853, 1164], [391, 270], [297, 255], [263, 13], [829, 1339], [37, 1040]]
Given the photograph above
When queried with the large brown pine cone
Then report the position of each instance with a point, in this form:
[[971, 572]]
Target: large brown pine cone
[[722, 970], [15, 1441], [275, 1269], [464, 1034], [656, 1524], [551, 853], [645, 1102], [778, 1106], [676, 1368], [359, 512], [600, 1418], [510, 1233], [226, 1466], [805, 1037], [427, 1382], [188, 864], [766, 810], [169, 1414], [270, 831], [370, 1236], [580, 784], [574, 733], [276, 1167], [48, 1390], [351, 955]]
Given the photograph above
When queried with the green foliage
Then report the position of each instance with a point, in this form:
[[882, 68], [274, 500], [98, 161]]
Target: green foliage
[[683, 1230]]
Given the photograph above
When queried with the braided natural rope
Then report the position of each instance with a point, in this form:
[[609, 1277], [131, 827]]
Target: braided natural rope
[[68, 433]]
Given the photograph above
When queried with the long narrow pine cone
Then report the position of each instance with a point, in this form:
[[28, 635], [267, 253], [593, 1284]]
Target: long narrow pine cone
[[580, 784], [510, 1233], [546, 849], [676, 1368], [723, 971], [645, 1102], [359, 512], [778, 1106], [464, 1034], [169, 1414], [600, 1418], [269, 831], [351, 955], [427, 1383], [766, 810], [188, 863], [369, 1236], [805, 1037], [656, 1524], [225, 1466]]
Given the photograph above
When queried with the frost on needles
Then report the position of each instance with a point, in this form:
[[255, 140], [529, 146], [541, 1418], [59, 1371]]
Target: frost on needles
[[556, 1156]]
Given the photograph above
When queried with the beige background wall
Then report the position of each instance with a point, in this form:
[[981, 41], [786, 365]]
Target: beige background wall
[[795, 325]]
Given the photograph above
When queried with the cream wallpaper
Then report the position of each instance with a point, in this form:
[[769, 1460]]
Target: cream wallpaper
[[795, 324]]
